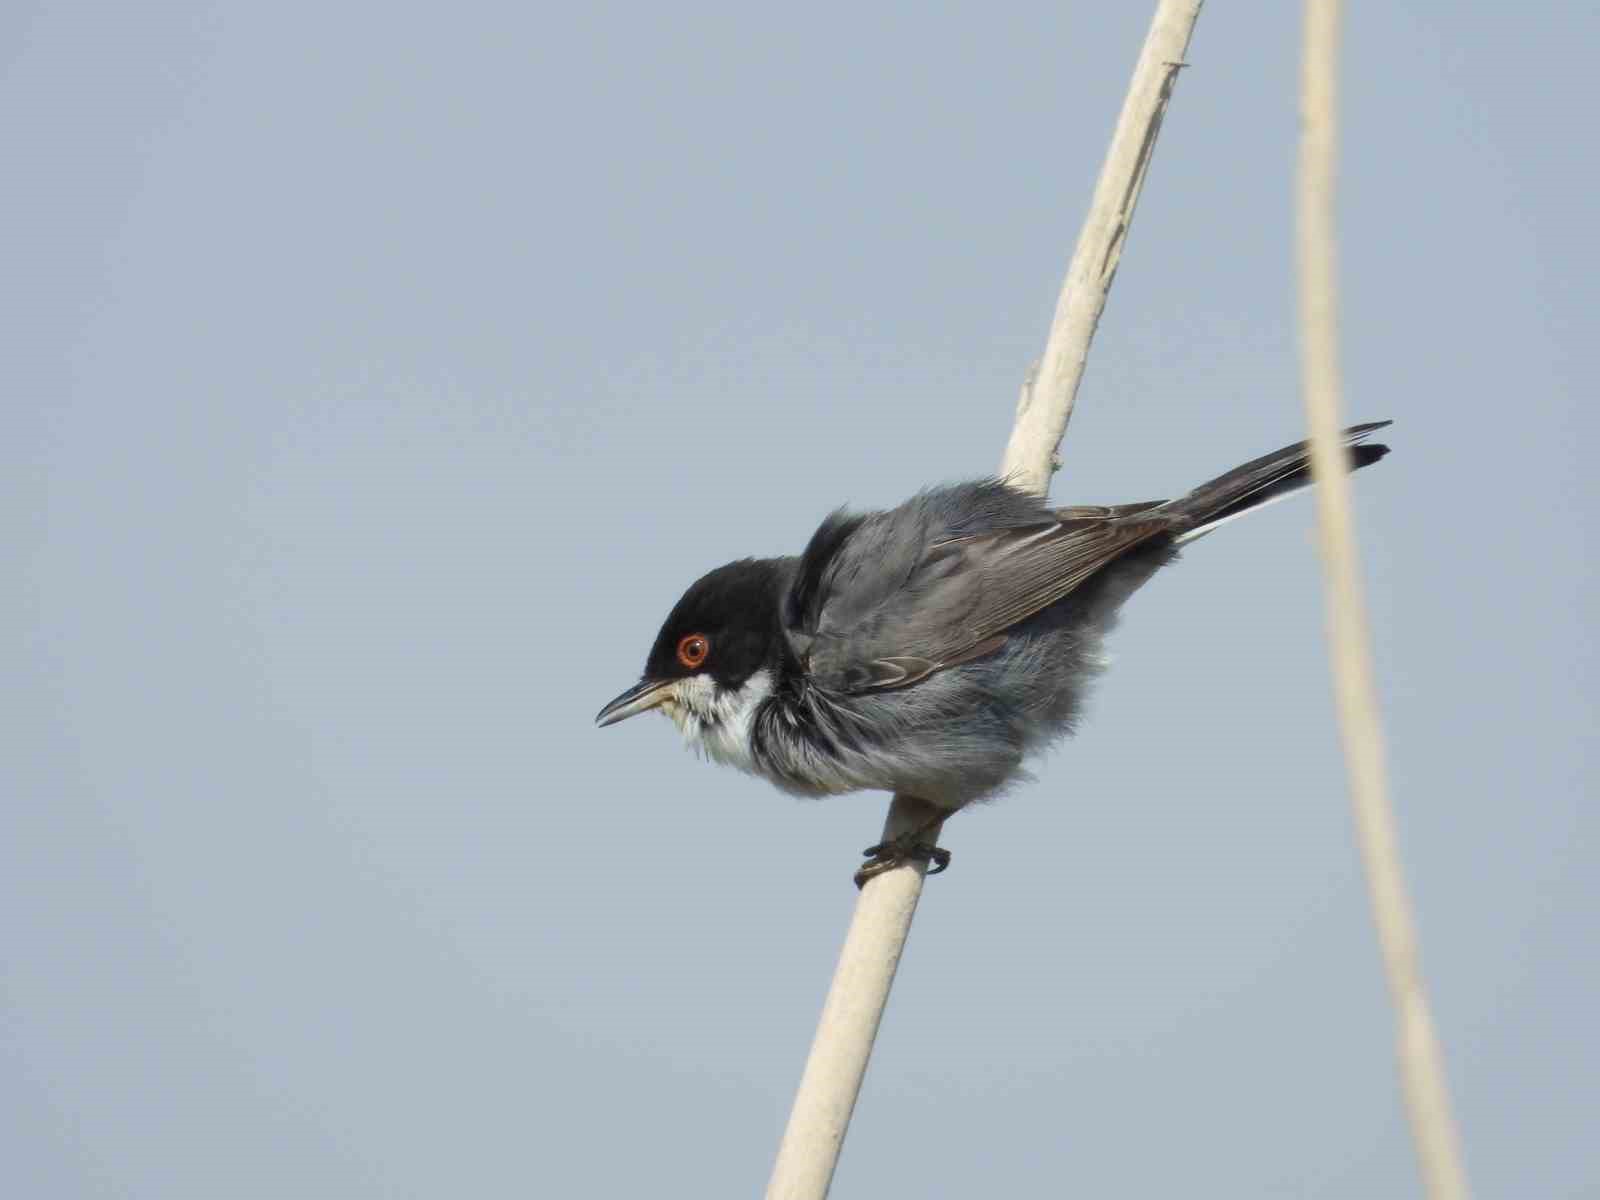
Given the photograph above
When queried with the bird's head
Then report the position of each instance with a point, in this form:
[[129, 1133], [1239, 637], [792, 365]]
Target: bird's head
[[712, 661]]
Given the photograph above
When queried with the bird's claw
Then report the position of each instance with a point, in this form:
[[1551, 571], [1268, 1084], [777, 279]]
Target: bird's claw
[[886, 856]]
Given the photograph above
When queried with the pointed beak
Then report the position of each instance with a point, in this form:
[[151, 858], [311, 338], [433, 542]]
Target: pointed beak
[[646, 694]]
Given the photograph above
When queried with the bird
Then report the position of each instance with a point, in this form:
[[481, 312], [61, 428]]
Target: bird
[[931, 648]]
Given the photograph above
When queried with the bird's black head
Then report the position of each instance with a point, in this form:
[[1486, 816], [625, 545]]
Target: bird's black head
[[725, 628]]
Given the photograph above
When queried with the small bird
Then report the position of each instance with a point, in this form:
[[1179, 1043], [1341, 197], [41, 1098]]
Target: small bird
[[929, 649]]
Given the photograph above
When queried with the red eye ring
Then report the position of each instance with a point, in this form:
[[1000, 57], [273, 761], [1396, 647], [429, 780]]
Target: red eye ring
[[693, 649]]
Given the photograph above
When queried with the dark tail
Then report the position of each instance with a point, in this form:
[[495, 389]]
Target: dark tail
[[1264, 480]]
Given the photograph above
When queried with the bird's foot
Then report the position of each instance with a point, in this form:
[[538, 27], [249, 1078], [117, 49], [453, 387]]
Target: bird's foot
[[897, 852]]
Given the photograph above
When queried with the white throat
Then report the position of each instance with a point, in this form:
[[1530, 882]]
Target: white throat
[[715, 721]]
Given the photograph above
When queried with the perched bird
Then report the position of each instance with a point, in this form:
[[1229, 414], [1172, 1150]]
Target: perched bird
[[929, 649]]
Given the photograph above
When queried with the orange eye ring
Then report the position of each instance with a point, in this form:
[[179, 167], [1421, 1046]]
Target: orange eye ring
[[692, 650]]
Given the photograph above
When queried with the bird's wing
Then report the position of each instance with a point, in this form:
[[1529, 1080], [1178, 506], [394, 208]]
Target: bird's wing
[[892, 605]]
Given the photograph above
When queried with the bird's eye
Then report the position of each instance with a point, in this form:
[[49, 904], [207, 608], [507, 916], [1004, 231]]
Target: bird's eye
[[693, 649]]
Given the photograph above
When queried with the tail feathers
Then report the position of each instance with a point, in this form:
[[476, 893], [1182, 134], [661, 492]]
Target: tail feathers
[[1263, 480]]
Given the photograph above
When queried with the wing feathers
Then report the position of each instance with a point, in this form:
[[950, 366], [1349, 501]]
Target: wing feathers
[[1026, 575], [966, 591], [886, 599]]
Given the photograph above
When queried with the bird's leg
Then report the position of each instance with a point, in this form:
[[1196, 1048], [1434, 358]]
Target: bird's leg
[[910, 846]]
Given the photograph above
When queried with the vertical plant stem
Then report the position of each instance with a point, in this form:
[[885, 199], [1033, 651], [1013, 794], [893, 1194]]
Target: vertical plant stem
[[860, 989], [1047, 398], [1420, 1061]]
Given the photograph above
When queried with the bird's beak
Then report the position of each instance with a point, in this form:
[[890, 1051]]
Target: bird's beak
[[646, 694]]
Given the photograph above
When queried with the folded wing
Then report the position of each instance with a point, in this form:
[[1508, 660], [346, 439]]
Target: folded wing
[[898, 596]]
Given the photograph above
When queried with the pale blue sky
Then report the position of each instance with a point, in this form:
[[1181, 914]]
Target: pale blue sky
[[379, 374]]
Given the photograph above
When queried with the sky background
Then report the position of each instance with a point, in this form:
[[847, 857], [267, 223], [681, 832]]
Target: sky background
[[377, 375]]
